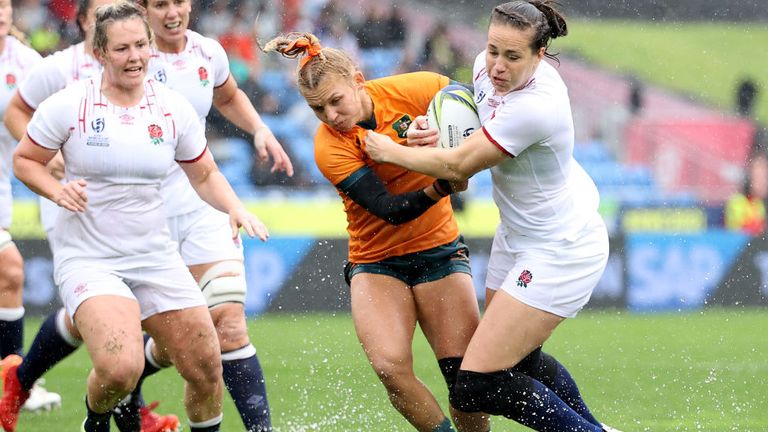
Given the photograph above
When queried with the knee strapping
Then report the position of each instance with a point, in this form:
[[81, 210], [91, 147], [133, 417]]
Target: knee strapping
[[220, 286], [498, 393], [449, 366], [5, 239]]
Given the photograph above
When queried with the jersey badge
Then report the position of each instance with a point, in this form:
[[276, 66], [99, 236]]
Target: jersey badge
[[524, 279], [98, 125], [202, 73], [10, 81], [160, 76], [401, 126], [480, 96], [155, 134]]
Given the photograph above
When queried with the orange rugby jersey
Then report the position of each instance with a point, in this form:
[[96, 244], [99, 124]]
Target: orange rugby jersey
[[397, 100]]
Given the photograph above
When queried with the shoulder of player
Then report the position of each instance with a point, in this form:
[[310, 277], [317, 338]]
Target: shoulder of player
[[24, 52], [208, 46]]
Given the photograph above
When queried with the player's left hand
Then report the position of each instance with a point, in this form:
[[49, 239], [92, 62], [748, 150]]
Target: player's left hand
[[378, 146], [242, 218], [267, 146]]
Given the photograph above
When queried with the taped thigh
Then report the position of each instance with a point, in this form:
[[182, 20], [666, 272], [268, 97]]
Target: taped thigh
[[219, 286]]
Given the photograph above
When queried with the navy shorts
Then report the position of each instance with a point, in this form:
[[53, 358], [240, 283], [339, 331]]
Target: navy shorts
[[418, 267]]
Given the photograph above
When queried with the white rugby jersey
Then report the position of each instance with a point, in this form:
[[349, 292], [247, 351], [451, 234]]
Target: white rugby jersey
[[15, 62], [194, 72], [52, 74], [542, 192], [123, 154]]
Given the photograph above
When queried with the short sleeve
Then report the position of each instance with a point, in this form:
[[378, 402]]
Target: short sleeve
[[191, 143], [50, 124], [40, 82], [337, 156], [219, 61], [517, 125]]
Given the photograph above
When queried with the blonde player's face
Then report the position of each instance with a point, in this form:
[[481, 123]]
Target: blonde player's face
[[508, 58], [6, 17], [169, 20], [337, 102], [127, 53]]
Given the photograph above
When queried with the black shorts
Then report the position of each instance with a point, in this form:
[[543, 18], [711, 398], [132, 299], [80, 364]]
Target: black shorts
[[419, 267]]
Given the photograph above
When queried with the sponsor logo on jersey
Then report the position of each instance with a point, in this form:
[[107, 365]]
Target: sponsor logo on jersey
[[401, 126], [155, 134], [179, 64], [126, 119], [81, 289], [202, 73], [161, 76], [493, 102]]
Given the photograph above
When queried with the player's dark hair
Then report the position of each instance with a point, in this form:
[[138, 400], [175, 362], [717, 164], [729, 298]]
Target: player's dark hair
[[82, 12], [111, 13], [540, 15], [318, 62]]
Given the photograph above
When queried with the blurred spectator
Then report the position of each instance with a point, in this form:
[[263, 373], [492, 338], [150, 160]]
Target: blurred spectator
[[217, 20], [382, 27], [746, 93], [636, 90], [440, 54], [745, 210]]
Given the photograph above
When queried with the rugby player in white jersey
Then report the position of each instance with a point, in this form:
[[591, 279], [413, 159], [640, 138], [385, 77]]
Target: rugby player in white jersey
[[551, 246], [117, 268]]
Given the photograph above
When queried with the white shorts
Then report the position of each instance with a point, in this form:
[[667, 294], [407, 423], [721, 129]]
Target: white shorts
[[165, 287], [557, 277], [204, 236]]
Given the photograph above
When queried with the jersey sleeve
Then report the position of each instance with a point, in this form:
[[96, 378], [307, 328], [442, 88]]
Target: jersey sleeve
[[41, 81], [518, 125], [50, 126], [219, 60], [337, 156], [191, 143]]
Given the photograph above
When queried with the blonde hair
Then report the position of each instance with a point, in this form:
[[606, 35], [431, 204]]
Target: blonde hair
[[109, 14], [317, 63]]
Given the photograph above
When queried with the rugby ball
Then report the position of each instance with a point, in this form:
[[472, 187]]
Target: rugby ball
[[454, 114]]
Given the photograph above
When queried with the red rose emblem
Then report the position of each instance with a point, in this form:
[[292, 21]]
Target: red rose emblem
[[155, 131], [524, 279], [203, 73], [10, 80]]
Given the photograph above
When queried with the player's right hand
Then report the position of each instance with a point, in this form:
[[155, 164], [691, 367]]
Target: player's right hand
[[72, 196], [420, 134]]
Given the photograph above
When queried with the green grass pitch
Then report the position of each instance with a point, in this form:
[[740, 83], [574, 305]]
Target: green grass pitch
[[703, 371]]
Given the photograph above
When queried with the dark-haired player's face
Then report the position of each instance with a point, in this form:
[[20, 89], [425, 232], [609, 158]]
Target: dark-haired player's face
[[337, 102], [169, 20], [127, 53], [508, 57]]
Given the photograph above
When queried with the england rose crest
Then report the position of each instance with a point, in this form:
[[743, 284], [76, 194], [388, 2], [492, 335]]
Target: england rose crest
[[155, 134], [203, 74], [10, 81], [524, 279]]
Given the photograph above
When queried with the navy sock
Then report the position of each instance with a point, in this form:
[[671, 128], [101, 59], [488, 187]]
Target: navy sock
[[96, 422], [48, 348], [244, 380], [555, 376], [11, 337], [518, 397], [445, 426]]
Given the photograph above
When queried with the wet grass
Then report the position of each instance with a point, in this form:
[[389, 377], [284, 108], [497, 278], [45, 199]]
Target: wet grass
[[703, 60], [702, 371]]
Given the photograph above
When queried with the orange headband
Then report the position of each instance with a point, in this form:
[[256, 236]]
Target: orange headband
[[310, 43]]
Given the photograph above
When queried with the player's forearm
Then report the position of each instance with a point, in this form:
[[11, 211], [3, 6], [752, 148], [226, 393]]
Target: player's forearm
[[216, 191], [241, 113], [433, 162]]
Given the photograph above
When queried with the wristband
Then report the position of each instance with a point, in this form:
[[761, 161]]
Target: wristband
[[442, 187]]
